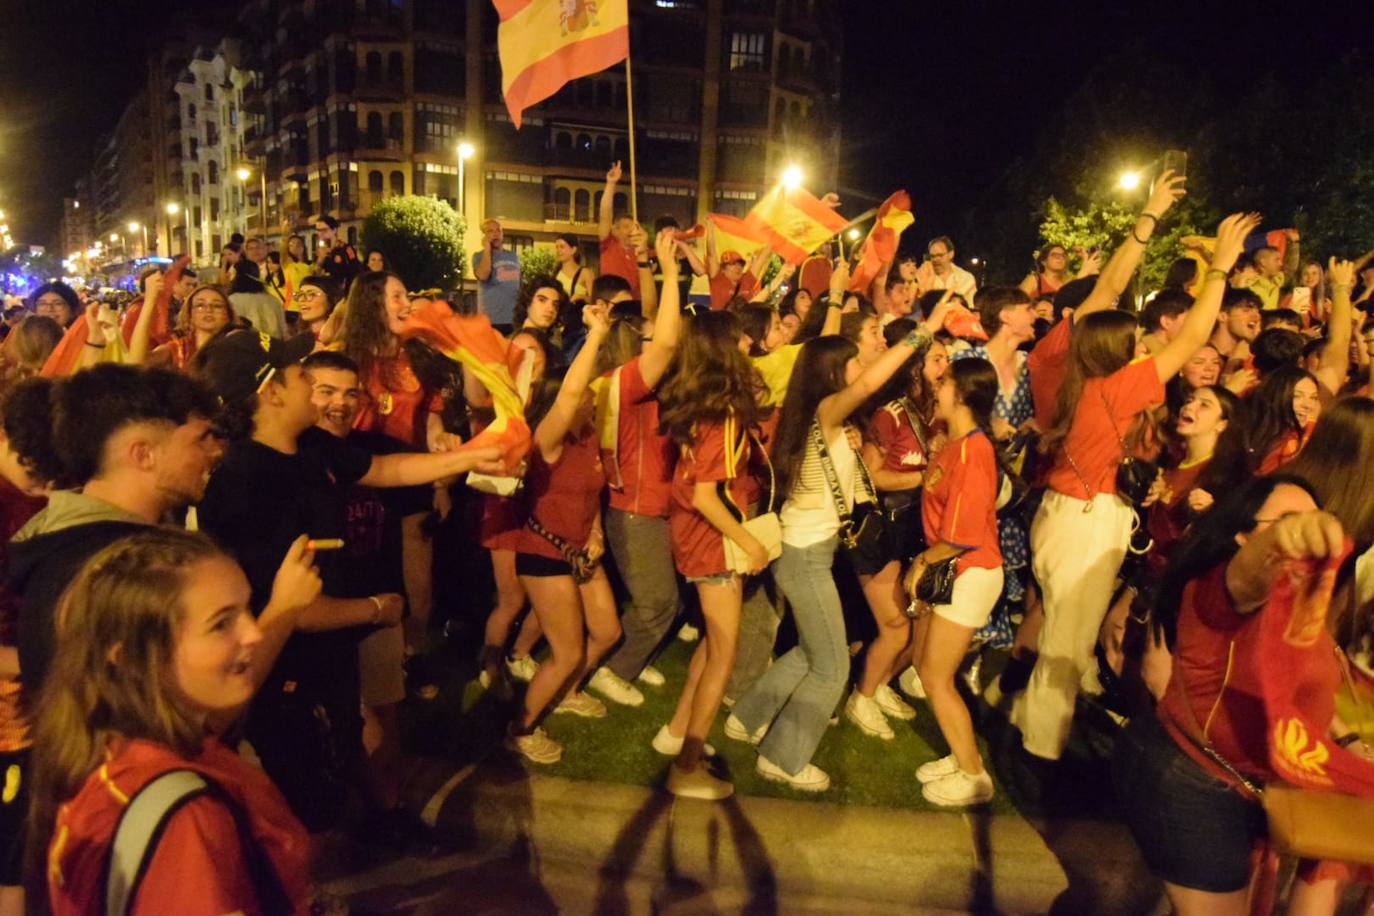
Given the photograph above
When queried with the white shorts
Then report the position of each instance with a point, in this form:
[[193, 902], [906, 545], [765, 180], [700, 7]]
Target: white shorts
[[975, 594], [381, 667]]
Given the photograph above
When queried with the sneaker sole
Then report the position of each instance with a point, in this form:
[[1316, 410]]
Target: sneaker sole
[[952, 803], [632, 701], [924, 780], [871, 732], [791, 783], [906, 715], [584, 713], [515, 749]]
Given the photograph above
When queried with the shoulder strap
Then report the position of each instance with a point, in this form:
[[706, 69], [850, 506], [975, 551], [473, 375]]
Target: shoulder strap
[[841, 507], [146, 817], [916, 427]]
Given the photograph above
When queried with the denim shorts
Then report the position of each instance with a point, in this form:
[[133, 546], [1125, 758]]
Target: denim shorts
[[1193, 829], [720, 578]]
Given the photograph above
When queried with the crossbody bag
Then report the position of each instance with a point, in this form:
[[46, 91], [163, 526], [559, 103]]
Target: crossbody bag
[[766, 527]]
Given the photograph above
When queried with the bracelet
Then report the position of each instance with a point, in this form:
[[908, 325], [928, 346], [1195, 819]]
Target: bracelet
[[377, 614], [643, 263], [1144, 241], [1344, 286], [1346, 740], [1216, 272], [916, 338], [96, 345], [1150, 216]]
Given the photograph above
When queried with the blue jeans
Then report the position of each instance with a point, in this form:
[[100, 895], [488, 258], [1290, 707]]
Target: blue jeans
[[800, 691]]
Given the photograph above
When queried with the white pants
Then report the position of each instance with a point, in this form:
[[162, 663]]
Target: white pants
[[1076, 556]]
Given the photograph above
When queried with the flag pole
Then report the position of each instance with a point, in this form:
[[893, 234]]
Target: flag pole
[[630, 109]]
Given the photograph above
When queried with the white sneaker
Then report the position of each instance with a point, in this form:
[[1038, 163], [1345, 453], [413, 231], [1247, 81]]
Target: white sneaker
[[893, 705], [651, 676], [700, 783], [688, 633], [522, 668], [959, 789], [864, 712], [669, 745], [811, 778], [735, 729], [936, 769], [536, 747], [579, 704], [615, 688], [910, 682]]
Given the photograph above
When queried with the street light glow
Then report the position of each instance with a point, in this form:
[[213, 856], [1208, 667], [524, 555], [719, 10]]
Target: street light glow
[[242, 173], [114, 236], [792, 177], [853, 235], [974, 261], [173, 208], [1129, 181], [133, 227], [466, 150]]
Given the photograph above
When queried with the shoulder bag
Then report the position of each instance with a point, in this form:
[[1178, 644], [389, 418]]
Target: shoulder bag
[[766, 527], [1134, 476], [864, 530]]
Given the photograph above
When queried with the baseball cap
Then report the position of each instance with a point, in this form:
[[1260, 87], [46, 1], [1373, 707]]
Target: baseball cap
[[239, 363], [730, 257]]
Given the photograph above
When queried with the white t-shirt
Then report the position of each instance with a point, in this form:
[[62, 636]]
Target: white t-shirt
[[808, 515]]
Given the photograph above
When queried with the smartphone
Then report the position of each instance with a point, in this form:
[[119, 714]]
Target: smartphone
[[1301, 302], [1176, 160]]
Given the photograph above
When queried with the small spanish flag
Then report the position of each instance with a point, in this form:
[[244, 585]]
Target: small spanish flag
[[544, 44], [881, 245], [793, 222]]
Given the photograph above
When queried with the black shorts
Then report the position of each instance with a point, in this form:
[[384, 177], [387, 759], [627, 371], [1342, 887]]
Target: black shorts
[[14, 808], [533, 564], [1193, 829]]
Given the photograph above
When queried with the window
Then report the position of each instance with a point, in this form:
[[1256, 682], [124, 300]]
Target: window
[[603, 146], [562, 140], [195, 182], [375, 139], [233, 116], [374, 181], [395, 68], [562, 204], [605, 94], [191, 112], [398, 182], [374, 67], [209, 92], [396, 127], [212, 168], [748, 50], [583, 206]]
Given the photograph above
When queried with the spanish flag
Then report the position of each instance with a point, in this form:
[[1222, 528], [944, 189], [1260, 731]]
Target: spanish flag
[[881, 245], [733, 234], [793, 222], [545, 43]]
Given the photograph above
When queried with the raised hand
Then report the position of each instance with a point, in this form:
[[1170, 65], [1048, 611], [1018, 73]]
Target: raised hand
[[1169, 189], [596, 319], [665, 248], [1340, 273], [1231, 235], [613, 173]]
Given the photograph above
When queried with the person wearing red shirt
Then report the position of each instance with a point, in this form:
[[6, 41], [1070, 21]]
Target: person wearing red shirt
[[708, 406], [959, 515], [639, 467], [1081, 531], [558, 551], [164, 616], [730, 277], [623, 249]]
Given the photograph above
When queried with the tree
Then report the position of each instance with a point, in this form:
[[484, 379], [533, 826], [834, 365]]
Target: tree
[[536, 261], [1104, 224], [422, 238]]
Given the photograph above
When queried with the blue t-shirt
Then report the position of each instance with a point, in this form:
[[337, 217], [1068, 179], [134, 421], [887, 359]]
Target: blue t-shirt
[[496, 295]]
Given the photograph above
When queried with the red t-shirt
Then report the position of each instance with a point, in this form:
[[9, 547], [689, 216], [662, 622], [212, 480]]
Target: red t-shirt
[[1047, 364], [564, 496], [1092, 440], [394, 402], [698, 548], [1285, 450], [1168, 521], [618, 260], [502, 519], [16, 508], [644, 456], [891, 429], [198, 865], [960, 502], [1208, 625], [723, 288]]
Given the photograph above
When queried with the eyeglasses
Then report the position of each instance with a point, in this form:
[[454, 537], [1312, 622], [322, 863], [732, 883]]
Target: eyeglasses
[[305, 294], [209, 307]]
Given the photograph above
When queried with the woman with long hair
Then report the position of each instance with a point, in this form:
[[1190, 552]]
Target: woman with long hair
[[251, 301], [814, 454], [1081, 531], [1338, 461], [398, 403], [159, 656], [572, 275], [959, 515], [205, 313], [1051, 272], [560, 548], [1279, 415], [1189, 487], [708, 406], [28, 346], [314, 300], [1202, 370]]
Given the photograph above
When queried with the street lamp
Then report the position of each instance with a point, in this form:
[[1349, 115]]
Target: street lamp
[[792, 177], [1128, 181], [173, 208], [465, 152], [853, 234]]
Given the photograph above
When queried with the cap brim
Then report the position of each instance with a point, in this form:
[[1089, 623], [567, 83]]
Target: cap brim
[[283, 353]]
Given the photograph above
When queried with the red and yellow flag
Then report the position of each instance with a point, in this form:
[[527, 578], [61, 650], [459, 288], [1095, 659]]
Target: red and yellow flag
[[545, 43], [793, 222], [881, 245]]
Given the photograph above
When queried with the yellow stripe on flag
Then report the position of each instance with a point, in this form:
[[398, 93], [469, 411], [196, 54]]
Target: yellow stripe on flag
[[794, 222], [543, 44]]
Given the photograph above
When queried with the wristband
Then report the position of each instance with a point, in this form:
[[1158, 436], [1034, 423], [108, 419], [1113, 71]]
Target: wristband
[[1216, 272], [1150, 216], [917, 338], [1144, 241], [376, 614]]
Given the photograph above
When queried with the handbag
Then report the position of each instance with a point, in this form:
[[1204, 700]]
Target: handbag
[[864, 529], [766, 527], [936, 585], [1134, 476], [1308, 823]]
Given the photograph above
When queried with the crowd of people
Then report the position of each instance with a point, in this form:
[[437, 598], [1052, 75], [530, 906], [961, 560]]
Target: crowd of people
[[217, 505]]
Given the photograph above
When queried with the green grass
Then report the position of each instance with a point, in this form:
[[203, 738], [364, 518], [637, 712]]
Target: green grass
[[466, 723]]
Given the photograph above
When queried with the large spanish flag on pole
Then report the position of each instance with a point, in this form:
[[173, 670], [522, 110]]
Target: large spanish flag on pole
[[545, 43], [793, 222], [881, 245]]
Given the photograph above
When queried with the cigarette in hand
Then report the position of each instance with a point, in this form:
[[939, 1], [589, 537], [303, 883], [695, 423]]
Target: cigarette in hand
[[325, 544]]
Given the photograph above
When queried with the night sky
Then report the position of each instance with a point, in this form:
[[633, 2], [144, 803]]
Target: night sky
[[938, 97]]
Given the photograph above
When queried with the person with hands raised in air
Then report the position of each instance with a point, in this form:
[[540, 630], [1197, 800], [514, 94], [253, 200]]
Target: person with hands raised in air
[[558, 552], [624, 246], [1081, 531]]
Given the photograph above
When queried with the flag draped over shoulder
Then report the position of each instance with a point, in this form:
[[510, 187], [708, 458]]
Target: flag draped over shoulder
[[794, 222], [471, 341], [545, 43], [881, 245], [1290, 635]]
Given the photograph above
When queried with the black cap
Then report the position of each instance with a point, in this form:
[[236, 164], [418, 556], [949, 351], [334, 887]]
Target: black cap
[[236, 365]]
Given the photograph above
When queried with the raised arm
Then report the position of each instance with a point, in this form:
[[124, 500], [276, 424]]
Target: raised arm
[[155, 288], [1292, 257], [548, 435], [688, 251], [712, 256], [606, 213], [833, 410], [1202, 317], [1335, 357], [482, 271], [658, 353], [1111, 283], [1251, 572]]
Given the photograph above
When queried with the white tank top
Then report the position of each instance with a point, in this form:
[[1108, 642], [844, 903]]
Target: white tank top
[[808, 515]]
